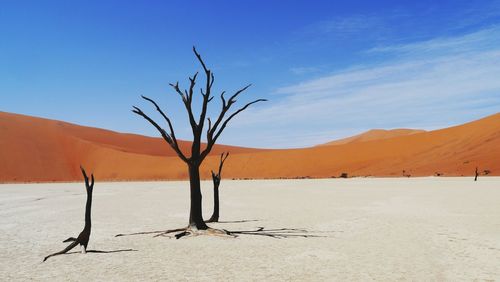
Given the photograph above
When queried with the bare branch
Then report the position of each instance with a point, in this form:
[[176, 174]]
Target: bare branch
[[186, 98], [223, 158], [206, 94], [226, 106], [172, 133], [85, 177], [211, 138], [191, 87], [232, 99], [233, 115], [162, 131], [200, 59], [178, 90], [209, 126], [222, 98]]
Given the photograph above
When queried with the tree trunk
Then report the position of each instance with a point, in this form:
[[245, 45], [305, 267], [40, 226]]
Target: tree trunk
[[215, 214], [84, 236], [195, 212], [88, 210]]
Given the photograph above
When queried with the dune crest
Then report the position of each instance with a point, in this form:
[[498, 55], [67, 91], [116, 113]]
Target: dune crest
[[374, 134]]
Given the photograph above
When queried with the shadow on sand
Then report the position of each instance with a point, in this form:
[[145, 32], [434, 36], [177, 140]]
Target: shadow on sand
[[109, 252], [91, 251], [236, 221], [180, 229], [277, 233]]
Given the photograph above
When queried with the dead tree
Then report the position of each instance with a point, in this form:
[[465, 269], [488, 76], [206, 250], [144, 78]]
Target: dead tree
[[213, 132], [477, 173], [83, 238], [216, 180]]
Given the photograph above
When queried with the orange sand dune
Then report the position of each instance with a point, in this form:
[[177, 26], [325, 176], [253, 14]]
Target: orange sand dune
[[452, 151], [34, 149], [374, 134], [37, 149]]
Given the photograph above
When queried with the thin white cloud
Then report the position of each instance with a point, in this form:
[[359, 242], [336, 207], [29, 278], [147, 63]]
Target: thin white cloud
[[349, 25], [436, 82], [486, 38], [353, 27], [304, 70]]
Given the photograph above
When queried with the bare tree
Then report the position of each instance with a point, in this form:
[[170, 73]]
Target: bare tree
[[477, 174], [216, 177], [213, 132], [83, 238]]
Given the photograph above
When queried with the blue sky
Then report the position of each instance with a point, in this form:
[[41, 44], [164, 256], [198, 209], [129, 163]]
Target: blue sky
[[329, 68]]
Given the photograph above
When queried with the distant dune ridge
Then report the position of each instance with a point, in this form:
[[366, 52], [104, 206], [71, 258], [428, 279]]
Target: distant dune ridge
[[41, 150], [374, 134]]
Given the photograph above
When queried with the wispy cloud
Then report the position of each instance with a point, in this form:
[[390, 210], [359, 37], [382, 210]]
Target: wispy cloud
[[304, 70], [483, 39], [349, 25], [342, 28], [476, 14], [425, 85]]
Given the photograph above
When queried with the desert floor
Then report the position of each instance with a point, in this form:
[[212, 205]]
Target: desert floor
[[426, 229]]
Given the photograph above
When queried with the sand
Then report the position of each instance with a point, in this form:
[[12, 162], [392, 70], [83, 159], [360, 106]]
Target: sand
[[417, 229], [374, 134], [35, 149], [41, 150]]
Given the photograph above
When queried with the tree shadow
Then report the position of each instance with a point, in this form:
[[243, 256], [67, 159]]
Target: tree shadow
[[91, 251], [281, 233], [235, 221], [180, 229], [276, 233], [109, 252], [148, 232]]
